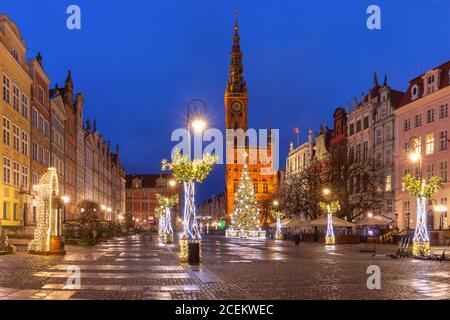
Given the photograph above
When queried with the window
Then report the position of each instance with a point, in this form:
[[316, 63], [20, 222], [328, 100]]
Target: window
[[351, 154], [41, 94], [25, 177], [40, 154], [430, 171], [406, 125], [34, 150], [430, 115], [414, 92], [24, 143], [358, 126], [366, 122], [16, 97], [378, 160], [15, 54], [5, 210], [47, 158], [443, 140], [389, 161], [25, 106], [417, 120], [358, 152], [388, 132], [388, 183], [34, 117], [265, 187], [444, 170], [406, 212], [352, 129], [379, 137], [41, 122], [6, 89], [16, 137], [443, 111], [429, 144], [6, 170], [255, 186], [46, 129], [16, 174], [365, 150], [235, 186], [6, 131]]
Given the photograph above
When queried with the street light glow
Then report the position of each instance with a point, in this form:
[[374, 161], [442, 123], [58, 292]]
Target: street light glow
[[276, 203], [172, 183], [199, 124], [103, 207], [65, 199], [326, 191], [414, 156]]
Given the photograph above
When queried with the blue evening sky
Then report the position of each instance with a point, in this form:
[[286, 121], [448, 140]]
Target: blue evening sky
[[139, 62]]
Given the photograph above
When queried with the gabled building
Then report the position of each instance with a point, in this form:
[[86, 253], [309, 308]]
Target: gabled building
[[15, 103], [423, 114]]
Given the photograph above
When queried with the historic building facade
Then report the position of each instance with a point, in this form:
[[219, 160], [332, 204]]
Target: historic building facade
[[44, 128], [370, 140], [260, 158], [423, 115], [15, 113], [141, 191]]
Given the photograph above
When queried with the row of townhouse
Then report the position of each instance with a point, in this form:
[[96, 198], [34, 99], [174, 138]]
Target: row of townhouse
[[44, 128], [382, 126]]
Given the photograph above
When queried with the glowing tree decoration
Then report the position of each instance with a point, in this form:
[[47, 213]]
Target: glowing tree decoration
[[278, 215], [164, 215], [330, 208], [245, 219], [422, 190], [47, 236], [189, 171]]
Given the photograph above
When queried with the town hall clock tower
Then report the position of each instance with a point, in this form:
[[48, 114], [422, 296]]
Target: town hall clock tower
[[236, 117]]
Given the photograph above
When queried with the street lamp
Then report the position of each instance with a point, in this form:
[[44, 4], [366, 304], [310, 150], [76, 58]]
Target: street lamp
[[66, 200]]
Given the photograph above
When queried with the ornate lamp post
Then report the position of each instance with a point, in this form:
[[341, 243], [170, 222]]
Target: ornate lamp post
[[190, 171], [421, 190]]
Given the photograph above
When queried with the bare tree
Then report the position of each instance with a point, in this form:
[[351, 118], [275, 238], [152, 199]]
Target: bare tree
[[301, 193], [357, 185]]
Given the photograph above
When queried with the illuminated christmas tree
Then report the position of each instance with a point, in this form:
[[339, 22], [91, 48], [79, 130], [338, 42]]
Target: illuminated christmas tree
[[246, 211]]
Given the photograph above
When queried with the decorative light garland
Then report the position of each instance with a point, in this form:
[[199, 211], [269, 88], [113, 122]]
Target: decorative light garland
[[330, 208], [422, 191], [189, 171], [162, 212], [278, 215], [48, 222]]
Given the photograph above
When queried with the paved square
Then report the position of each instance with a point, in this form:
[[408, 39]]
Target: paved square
[[128, 268]]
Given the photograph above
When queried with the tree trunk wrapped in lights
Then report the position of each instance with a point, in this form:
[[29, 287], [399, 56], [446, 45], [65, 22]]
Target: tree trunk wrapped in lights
[[162, 212], [422, 191], [189, 171], [245, 219], [278, 215], [330, 208]]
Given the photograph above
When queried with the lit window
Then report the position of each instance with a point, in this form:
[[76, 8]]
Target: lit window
[[16, 97], [444, 170], [16, 137], [388, 183], [429, 144], [16, 174], [25, 106]]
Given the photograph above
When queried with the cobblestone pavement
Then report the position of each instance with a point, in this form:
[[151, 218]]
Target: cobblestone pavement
[[132, 268]]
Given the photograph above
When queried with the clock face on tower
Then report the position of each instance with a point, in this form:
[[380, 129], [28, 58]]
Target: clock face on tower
[[236, 107]]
